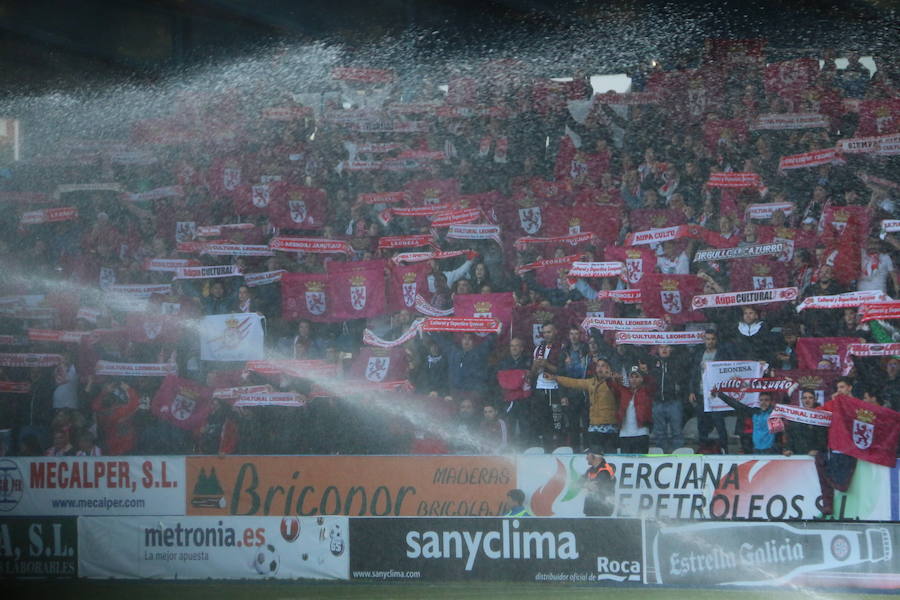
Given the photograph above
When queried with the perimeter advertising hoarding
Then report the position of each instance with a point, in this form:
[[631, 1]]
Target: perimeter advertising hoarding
[[214, 548], [384, 486], [489, 549], [105, 485], [38, 548], [806, 554], [707, 487]]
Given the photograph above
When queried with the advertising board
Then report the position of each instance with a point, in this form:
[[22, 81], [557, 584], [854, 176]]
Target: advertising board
[[38, 548], [489, 549], [105, 485], [210, 547], [349, 485]]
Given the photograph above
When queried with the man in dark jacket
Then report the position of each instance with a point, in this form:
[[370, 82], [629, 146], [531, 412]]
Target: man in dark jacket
[[509, 369], [670, 374], [467, 366], [706, 421]]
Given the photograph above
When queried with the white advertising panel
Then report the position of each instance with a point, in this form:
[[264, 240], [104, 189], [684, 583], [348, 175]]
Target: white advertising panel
[[81, 485], [213, 547]]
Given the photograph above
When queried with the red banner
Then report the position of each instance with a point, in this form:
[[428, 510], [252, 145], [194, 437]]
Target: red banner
[[377, 365], [670, 296], [298, 207], [29, 360], [183, 403], [15, 387], [823, 353], [867, 431], [498, 305], [305, 296], [357, 292]]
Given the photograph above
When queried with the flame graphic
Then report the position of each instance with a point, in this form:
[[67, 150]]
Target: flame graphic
[[542, 499]]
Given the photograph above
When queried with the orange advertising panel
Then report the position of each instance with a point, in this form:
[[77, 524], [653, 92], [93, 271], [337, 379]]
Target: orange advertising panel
[[349, 485]]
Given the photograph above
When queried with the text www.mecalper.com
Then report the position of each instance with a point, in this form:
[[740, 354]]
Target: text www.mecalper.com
[[387, 574], [104, 503]]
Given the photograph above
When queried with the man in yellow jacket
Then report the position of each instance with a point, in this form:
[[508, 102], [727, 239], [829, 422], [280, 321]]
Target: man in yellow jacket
[[603, 427]]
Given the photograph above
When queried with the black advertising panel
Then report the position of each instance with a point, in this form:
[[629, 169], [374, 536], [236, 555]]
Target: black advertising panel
[[491, 549], [38, 548], [826, 554]]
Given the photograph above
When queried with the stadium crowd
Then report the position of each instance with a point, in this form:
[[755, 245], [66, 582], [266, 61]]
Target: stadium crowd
[[346, 212]]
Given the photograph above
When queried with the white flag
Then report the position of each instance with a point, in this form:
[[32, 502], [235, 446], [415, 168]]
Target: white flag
[[716, 372], [234, 337]]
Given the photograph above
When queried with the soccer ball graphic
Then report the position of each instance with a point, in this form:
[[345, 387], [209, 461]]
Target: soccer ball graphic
[[267, 561]]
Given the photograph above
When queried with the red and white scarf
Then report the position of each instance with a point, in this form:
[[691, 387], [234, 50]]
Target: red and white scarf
[[414, 257], [371, 339], [29, 360], [382, 198], [653, 338], [798, 414], [310, 245], [225, 249], [255, 279], [86, 187], [744, 298], [425, 308], [572, 240], [171, 191], [814, 158], [879, 311], [462, 324], [166, 265], [117, 369], [789, 121], [548, 262], [235, 392], [292, 367], [632, 296], [874, 349], [596, 269], [52, 335], [848, 300], [474, 232], [456, 217], [756, 384], [139, 290], [405, 241], [617, 324], [213, 272], [889, 226], [881, 144], [219, 230], [88, 314], [15, 387], [270, 399], [766, 210], [736, 180], [49, 215]]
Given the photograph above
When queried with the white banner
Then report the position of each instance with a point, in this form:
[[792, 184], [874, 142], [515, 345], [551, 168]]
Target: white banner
[[767, 209], [87, 485], [232, 337], [596, 269], [848, 300], [744, 298], [789, 121], [653, 338], [118, 369], [270, 399], [212, 272], [255, 279], [621, 324], [717, 372], [700, 487], [253, 548]]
